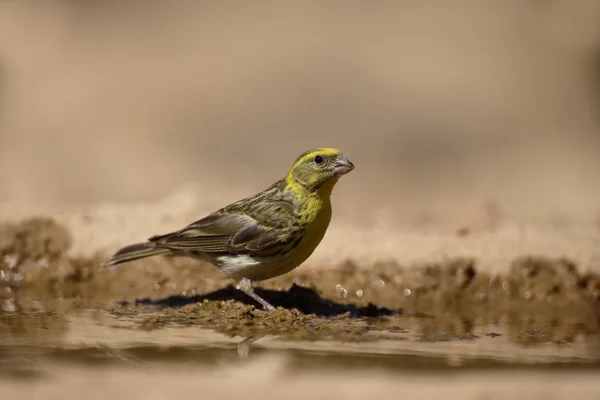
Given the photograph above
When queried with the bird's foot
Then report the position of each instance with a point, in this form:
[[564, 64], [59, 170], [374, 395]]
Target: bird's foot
[[246, 287]]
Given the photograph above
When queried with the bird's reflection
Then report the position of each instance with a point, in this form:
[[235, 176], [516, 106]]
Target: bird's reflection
[[243, 348]]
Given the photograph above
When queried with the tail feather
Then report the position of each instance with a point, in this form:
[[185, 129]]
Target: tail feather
[[135, 252]]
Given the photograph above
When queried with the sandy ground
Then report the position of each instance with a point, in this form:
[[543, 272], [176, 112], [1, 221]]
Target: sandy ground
[[473, 210]]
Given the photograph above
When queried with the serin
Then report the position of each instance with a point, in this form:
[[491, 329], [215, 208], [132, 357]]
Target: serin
[[264, 235]]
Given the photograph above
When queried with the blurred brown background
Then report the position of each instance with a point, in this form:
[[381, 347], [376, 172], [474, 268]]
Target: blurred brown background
[[441, 105]]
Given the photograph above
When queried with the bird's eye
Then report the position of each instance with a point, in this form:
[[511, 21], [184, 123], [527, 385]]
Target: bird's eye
[[318, 159]]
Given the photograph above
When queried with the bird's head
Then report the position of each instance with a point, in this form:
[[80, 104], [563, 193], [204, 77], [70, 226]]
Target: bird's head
[[318, 169]]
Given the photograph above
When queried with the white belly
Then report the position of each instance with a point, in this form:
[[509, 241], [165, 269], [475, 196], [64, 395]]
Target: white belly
[[234, 265]]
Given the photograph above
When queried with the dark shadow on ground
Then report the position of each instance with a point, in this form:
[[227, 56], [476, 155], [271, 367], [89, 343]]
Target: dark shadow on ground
[[305, 300]]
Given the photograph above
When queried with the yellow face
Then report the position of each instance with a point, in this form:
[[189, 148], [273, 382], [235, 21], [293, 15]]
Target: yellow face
[[316, 167]]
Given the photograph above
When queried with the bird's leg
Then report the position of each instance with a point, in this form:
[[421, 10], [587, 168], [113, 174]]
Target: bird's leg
[[246, 287]]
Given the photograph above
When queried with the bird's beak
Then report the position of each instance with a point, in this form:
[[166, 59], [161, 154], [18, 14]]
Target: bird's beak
[[342, 165]]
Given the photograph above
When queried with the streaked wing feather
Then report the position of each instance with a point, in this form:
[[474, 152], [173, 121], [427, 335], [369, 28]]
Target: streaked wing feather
[[256, 238], [227, 232], [204, 244], [268, 240]]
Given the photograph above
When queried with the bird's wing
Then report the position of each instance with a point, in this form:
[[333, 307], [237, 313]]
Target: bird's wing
[[232, 231]]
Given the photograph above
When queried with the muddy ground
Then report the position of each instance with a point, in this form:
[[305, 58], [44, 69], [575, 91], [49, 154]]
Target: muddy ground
[[537, 299], [60, 311]]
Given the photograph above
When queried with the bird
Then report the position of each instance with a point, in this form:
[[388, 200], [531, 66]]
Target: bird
[[261, 236]]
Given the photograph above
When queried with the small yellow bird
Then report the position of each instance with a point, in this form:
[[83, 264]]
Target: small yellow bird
[[264, 235]]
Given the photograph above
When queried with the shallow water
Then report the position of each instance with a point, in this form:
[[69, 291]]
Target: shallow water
[[105, 349], [96, 338]]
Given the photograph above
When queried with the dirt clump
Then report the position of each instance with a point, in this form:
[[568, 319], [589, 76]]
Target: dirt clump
[[34, 239], [238, 319]]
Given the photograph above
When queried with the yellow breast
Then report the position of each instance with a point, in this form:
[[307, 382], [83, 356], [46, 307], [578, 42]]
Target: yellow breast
[[315, 231], [318, 215]]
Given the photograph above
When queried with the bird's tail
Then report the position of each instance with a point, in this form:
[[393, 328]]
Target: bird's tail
[[135, 252]]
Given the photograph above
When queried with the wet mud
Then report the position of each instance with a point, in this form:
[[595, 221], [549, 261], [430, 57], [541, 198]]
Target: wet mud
[[538, 300], [65, 319]]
